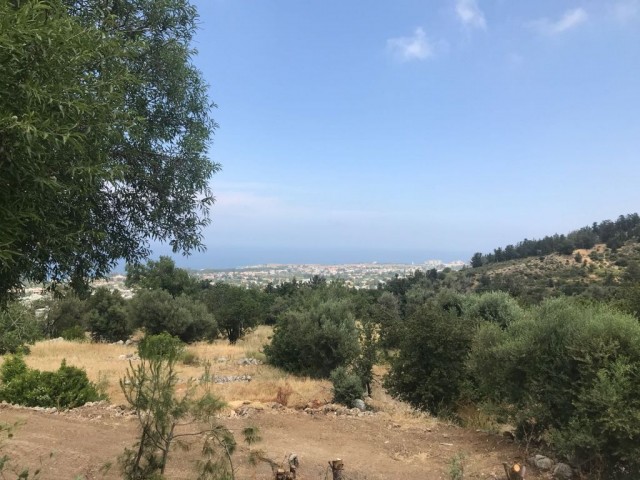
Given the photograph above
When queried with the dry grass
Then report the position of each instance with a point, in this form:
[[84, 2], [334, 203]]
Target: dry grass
[[102, 363]]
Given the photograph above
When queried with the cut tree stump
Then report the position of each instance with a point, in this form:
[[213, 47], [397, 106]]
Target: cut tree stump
[[337, 467], [515, 472]]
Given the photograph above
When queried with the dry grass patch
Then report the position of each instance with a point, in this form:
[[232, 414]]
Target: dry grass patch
[[103, 364]]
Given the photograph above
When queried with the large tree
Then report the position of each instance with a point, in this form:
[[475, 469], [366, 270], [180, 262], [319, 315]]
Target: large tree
[[104, 129]]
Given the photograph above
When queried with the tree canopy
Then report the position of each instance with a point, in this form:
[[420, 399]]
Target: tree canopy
[[104, 130]]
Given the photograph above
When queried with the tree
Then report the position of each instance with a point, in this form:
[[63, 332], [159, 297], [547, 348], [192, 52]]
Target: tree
[[163, 275], [166, 418], [476, 260], [236, 309], [107, 316], [103, 136], [316, 339], [157, 311], [429, 370]]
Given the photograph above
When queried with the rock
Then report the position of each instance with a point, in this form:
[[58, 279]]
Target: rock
[[543, 463], [128, 342], [119, 342], [562, 471], [359, 404], [248, 361]]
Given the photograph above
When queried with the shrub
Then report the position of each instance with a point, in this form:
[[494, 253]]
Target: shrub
[[429, 369], [107, 317], [68, 387], [347, 386], [65, 313], [157, 311], [74, 333], [162, 346], [18, 327], [496, 307], [314, 341], [570, 372], [236, 309]]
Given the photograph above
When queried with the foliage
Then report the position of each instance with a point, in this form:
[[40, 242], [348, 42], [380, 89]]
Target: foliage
[[496, 307], [68, 387], [385, 313], [162, 275], [614, 234], [162, 346], [569, 372], [315, 339], [103, 136], [18, 327], [186, 318], [236, 309], [65, 313], [456, 466], [429, 369], [107, 316], [150, 388], [347, 386], [74, 333]]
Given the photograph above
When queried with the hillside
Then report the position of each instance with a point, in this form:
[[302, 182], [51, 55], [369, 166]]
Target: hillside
[[598, 272]]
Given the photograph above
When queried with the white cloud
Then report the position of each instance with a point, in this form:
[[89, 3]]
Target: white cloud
[[626, 11], [415, 47], [570, 20], [470, 14]]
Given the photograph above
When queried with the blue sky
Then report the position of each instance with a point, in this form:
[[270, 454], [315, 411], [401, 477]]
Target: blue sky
[[423, 128]]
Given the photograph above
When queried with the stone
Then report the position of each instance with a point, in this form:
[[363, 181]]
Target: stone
[[562, 471], [543, 463], [359, 404]]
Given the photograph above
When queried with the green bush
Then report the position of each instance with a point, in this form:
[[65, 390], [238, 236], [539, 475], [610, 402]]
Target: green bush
[[18, 327], [570, 373], [314, 341], [74, 333], [236, 309], [107, 316], [429, 369], [161, 347], [496, 307], [65, 313], [347, 386], [68, 387], [156, 311]]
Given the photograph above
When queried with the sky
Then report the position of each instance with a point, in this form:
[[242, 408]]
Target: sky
[[353, 130]]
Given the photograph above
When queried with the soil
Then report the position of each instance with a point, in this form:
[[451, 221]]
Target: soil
[[85, 443]]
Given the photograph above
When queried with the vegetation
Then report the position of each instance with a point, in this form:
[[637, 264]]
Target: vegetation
[[236, 309], [107, 316], [347, 387], [68, 387], [429, 369], [18, 328], [613, 234], [315, 337], [156, 311], [100, 112], [163, 415]]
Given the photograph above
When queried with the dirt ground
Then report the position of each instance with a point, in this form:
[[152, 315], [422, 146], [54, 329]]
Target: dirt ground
[[83, 443]]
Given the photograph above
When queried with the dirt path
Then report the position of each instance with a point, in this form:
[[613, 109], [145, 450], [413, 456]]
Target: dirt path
[[81, 442]]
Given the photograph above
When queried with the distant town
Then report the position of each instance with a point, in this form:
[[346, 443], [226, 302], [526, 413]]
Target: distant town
[[358, 275]]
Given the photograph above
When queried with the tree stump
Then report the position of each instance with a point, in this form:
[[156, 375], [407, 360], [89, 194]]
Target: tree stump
[[337, 467], [294, 463], [515, 472]]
